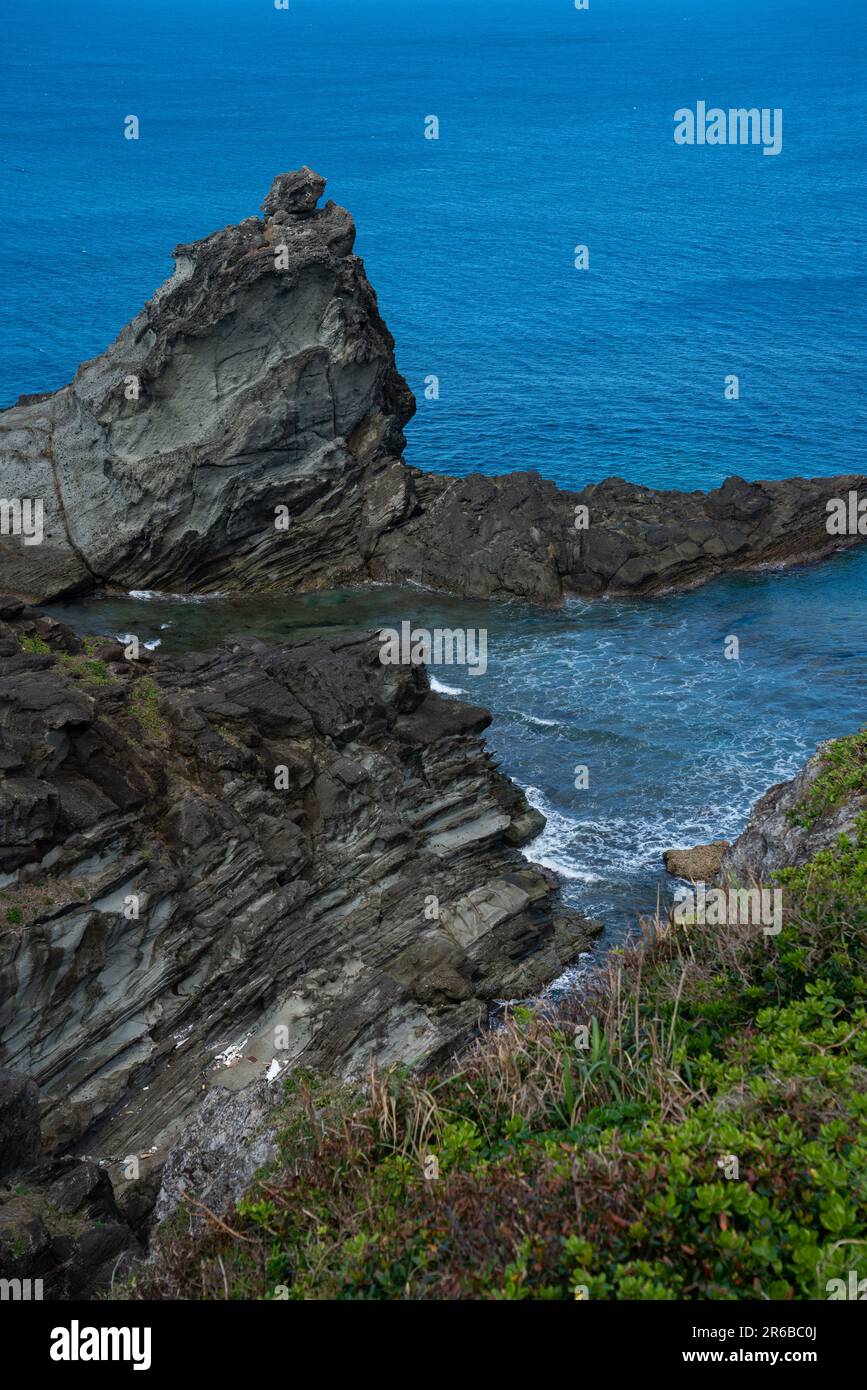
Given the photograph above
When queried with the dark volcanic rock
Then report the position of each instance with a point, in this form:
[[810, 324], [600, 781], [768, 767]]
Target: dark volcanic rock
[[515, 536], [225, 865], [262, 377], [59, 1222], [19, 1123], [260, 374]]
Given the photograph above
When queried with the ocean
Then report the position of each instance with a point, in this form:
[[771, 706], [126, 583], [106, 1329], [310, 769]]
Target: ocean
[[555, 131]]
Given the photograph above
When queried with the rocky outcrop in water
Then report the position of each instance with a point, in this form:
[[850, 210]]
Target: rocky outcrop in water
[[217, 867], [776, 837], [515, 536], [245, 431], [260, 375], [700, 864]]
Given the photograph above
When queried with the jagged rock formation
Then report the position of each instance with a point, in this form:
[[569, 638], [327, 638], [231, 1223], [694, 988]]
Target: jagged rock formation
[[515, 536], [230, 1137], [240, 386], [219, 866], [262, 376], [774, 837]]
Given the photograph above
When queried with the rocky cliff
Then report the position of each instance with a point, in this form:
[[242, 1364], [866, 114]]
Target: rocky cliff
[[790, 824], [245, 431], [797, 819], [221, 866]]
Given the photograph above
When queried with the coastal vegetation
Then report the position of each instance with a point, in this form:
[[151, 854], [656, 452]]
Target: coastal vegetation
[[692, 1126]]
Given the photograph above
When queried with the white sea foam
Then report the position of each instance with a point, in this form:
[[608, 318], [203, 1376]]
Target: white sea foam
[[157, 596], [126, 637], [553, 848], [441, 688]]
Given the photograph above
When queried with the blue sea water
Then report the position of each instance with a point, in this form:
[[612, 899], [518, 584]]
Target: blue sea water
[[556, 129]]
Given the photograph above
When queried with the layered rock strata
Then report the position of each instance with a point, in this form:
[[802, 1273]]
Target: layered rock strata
[[218, 867]]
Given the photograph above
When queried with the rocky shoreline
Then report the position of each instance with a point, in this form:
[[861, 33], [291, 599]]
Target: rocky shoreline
[[762, 1088], [245, 432], [775, 837], [218, 868], [214, 1127]]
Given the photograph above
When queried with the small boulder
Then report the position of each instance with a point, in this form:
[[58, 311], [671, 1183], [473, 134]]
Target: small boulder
[[296, 193], [701, 864]]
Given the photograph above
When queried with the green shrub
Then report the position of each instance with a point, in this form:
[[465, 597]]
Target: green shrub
[[843, 771], [144, 707]]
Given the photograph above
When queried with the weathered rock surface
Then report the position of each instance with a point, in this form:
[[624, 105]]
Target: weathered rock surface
[[772, 841], [170, 920], [515, 536], [261, 375], [773, 838], [19, 1123], [230, 1137], [699, 864], [240, 386]]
